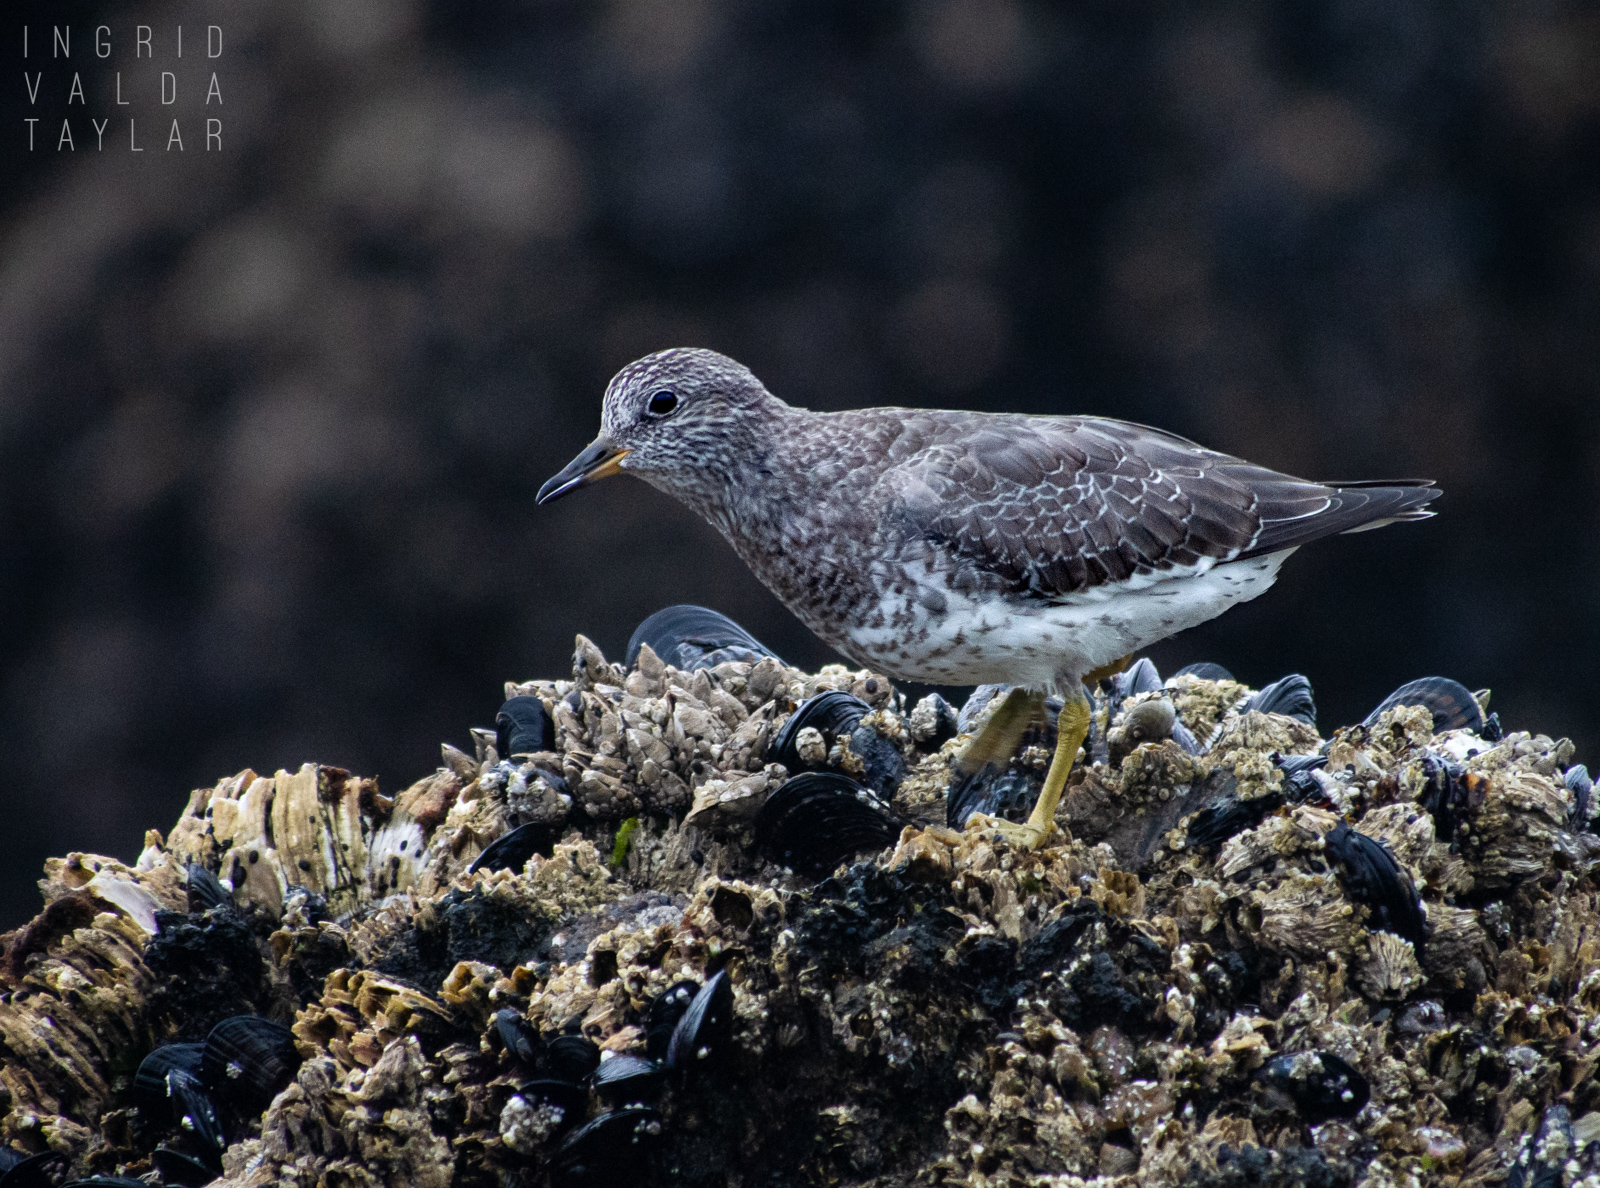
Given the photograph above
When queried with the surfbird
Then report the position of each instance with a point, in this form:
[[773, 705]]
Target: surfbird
[[963, 548]]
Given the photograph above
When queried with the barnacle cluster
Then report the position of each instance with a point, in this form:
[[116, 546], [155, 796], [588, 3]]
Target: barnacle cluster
[[713, 926]]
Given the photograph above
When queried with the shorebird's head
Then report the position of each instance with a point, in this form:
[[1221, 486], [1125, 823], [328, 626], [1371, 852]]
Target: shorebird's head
[[672, 418]]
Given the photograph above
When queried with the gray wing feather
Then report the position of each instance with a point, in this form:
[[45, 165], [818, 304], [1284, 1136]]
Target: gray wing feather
[[1051, 506]]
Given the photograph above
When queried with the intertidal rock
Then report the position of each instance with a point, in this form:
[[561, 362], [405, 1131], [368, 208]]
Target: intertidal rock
[[708, 926]]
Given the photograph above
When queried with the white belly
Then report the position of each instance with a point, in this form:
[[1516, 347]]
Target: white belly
[[1045, 645]]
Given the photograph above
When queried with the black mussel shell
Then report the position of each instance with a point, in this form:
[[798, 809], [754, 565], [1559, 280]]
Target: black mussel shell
[[248, 1060], [9, 1158], [882, 764], [177, 1168], [1289, 696], [193, 1111], [36, 1171], [150, 1082], [106, 1182], [1540, 1159], [1492, 730], [511, 851], [1582, 788], [704, 1033], [522, 727], [1319, 1085], [1372, 876], [946, 721], [205, 891], [1451, 703], [1140, 677], [571, 1057], [627, 1080], [995, 792], [610, 1151], [1185, 738], [1299, 785], [169, 1090], [1212, 826], [832, 712], [665, 1010], [688, 637], [817, 819], [518, 1036], [1444, 794], [571, 1098], [1205, 671], [976, 704]]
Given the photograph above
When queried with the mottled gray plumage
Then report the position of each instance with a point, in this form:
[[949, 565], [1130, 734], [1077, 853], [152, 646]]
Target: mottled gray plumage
[[961, 547]]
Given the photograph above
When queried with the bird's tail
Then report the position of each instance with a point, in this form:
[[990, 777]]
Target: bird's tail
[[1294, 512]]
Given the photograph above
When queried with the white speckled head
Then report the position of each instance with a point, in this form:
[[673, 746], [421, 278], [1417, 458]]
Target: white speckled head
[[684, 420], [672, 409]]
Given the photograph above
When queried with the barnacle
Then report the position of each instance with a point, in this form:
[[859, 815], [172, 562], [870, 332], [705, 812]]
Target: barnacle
[[654, 929]]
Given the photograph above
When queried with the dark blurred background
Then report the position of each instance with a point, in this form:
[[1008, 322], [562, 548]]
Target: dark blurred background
[[272, 418]]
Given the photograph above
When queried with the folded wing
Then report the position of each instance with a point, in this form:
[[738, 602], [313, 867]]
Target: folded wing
[[1051, 507]]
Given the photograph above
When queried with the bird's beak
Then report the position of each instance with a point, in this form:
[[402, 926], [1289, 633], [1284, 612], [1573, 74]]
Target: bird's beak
[[600, 459]]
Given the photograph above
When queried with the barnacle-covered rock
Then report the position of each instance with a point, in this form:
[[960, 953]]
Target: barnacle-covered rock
[[623, 942]]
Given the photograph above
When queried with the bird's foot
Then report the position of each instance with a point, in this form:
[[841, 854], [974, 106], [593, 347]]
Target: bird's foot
[[1028, 836]]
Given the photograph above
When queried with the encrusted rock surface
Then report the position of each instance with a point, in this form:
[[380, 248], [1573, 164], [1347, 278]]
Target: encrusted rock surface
[[1128, 1006]]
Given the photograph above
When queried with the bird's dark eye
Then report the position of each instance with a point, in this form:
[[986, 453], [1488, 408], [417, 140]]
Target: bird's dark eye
[[663, 402]]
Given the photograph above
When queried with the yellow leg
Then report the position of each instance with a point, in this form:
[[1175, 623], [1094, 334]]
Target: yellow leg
[[997, 741], [1072, 727], [1109, 670]]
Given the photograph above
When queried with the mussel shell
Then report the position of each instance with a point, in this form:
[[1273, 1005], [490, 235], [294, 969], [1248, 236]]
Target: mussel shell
[[832, 712], [1210, 827], [522, 727], [1541, 1156], [665, 1010], [105, 1182], [1372, 876], [518, 1037], [1582, 788], [610, 1151], [1289, 696], [570, 1097], [571, 1057], [1451, 703], [1444, 794], [882, 764], [817, 819], [1320, 1085], [946, 720], [205, 890], [1185, 738], [9, 1158], [975, 704], [627, 1080], [248, 1060], [703, 1035], [169, 1090], [688, 637], [150, 1089], [43, 1170], [1299, 785], [177, 1168], [995, 792], [511, 851], [1140, 677], [193, 1110], [1205, 671]]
